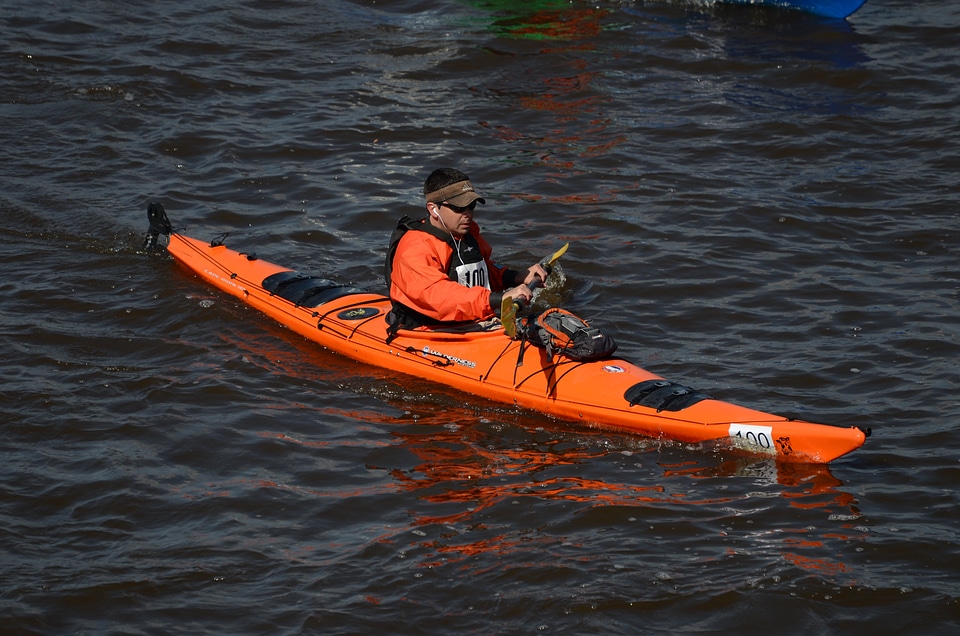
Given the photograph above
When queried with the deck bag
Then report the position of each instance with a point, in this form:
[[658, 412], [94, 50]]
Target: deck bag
[[561, 332]]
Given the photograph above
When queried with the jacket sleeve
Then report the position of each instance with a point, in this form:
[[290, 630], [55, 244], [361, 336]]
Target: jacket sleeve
[[420, 281]]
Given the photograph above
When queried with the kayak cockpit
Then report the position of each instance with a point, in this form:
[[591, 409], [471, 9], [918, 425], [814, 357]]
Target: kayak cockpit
[[306, 291]]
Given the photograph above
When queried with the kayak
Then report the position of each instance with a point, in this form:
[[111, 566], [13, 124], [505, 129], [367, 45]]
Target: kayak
[[612, 393], [839, 9]]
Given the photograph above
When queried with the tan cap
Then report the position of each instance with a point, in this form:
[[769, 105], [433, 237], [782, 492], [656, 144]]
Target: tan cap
[[460, 194]]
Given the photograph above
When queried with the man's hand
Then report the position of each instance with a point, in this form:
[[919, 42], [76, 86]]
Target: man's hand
[[520, 294], [535, 272]]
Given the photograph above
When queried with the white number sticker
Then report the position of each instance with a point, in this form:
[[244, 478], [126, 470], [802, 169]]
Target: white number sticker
[[753, 436]]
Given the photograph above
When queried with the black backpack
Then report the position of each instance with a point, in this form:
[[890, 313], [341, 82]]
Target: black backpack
[[561, 332]]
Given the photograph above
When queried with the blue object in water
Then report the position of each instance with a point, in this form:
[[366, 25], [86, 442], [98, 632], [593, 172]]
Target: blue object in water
[[827, 8]]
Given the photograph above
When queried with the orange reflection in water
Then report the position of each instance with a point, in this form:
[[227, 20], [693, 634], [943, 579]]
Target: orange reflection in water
[[469, 473], [806, 487]]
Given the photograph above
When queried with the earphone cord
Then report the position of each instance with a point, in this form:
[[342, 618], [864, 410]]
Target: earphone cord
[[456, 241]]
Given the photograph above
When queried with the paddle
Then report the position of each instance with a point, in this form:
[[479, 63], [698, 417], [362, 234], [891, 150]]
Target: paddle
[[509, 307]]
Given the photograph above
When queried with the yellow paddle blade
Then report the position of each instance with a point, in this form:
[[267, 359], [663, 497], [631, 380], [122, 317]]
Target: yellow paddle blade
[[508, 316], [556, 256]]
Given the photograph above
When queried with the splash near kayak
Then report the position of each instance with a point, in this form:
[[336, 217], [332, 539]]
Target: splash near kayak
[[610, 393]]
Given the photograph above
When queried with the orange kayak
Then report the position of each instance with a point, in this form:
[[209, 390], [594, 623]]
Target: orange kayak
[[612, 394]]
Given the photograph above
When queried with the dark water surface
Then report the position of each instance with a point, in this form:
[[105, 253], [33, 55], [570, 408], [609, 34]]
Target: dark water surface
[[760, 204]]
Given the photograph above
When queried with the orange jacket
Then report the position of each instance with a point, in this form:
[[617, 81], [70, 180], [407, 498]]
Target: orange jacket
[[420, 279]]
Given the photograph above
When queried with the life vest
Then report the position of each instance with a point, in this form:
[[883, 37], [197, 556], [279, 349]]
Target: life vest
[[467, 266]]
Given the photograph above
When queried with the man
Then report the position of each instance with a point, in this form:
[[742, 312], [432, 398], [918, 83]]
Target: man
[[439, 269]]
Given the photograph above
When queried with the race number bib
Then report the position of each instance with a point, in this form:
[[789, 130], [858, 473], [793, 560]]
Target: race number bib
[[473, 275]]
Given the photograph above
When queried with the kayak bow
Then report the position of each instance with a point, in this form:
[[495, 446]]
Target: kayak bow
[[612, 394]]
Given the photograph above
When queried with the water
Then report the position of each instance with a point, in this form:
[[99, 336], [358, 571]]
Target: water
[[760, 204]]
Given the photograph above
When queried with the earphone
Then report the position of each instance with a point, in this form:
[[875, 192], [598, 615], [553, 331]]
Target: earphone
[[436, 213]]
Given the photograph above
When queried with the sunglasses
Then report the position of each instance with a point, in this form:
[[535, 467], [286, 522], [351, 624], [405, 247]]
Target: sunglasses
[[461, 210]]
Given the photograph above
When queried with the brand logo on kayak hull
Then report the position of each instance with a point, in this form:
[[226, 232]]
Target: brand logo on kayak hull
[[427, 351]]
